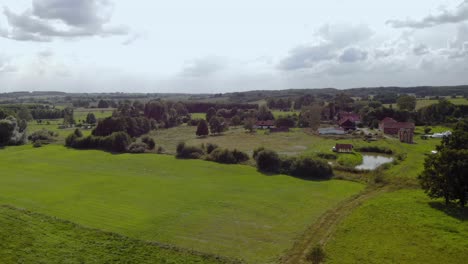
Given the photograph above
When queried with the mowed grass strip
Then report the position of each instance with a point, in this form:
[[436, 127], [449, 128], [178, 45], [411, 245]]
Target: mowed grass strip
[[28, 237], [230, 210], [401, 227]]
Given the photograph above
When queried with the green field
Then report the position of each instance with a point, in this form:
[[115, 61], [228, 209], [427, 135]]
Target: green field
[[230, 210], [81, 113], [401, 227], [29, 237], [420, 103]]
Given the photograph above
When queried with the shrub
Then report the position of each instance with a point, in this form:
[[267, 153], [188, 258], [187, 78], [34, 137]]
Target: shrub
[[188, 152], [268, 161], [256, 151], [43, 136], [193, 122], [210, 147], [375, 149], [37, 144], [149, 142], [316, 255], [137, 147], [116, 142], [306, 167], [160, 150], [228, 156]]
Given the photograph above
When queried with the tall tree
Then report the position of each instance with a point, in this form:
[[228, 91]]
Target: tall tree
[[406, 102], [445, 174], [202, 128], [310, 116], [90, 118]]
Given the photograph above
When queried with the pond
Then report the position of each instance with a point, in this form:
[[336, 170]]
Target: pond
[[371, 162]]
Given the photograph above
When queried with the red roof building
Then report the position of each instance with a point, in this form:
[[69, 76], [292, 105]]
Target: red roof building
[[392, 127], [347, 124], [265, 124], [343, 148], [351, 116]]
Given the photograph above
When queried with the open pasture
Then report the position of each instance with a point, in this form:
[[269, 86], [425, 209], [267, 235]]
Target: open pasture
[[401, 227], [230, 210]]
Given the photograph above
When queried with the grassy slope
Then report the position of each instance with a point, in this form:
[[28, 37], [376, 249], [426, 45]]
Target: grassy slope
[[227, 210], [400, 227], [34, 238]]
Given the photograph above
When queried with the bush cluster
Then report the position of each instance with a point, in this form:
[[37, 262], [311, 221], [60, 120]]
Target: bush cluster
[[43, 136], [375, 149], [304, 167], [227, 156], [211, 152], [188, 152], [116, 142]]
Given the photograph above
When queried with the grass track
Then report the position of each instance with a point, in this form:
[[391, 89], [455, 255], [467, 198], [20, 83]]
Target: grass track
[[230, 210], [401, 227]]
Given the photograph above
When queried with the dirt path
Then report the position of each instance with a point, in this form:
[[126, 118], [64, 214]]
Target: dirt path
[[321, 231]]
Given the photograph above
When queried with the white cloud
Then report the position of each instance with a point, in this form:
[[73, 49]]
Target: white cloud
[[460, 14], [49, 19]]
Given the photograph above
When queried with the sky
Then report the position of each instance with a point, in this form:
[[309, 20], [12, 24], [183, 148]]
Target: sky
[[215, 46]]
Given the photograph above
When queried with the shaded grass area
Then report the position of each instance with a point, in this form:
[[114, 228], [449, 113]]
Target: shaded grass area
[[230, 210], [400, 227], [28, 237]]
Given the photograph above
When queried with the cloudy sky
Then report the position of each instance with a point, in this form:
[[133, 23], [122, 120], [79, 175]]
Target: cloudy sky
[[220, 46]]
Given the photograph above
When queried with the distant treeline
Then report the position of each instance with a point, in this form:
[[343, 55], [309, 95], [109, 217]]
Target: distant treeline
[[202, 107]]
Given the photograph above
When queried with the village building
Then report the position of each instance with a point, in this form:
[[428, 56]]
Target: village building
[[343, 148], [353, 117], [267, 124], [347, 124], [331, 131], [392, 127], [406, 135]]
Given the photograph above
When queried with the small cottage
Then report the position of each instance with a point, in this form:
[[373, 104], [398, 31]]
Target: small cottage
[[267, 124], [343, 148]]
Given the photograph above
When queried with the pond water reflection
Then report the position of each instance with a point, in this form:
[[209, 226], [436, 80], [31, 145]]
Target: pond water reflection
[[371, 162]]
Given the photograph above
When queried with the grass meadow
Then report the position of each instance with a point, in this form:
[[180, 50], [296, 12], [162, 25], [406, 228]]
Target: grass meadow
[[401, 227], [29, 237], [230, 210]]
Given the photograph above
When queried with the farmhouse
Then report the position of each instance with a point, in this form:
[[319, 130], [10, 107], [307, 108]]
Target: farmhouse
[[265, 124], [353, 117], [347, 124], [343, 148], [331, 131], [392, 127], [406, 135]]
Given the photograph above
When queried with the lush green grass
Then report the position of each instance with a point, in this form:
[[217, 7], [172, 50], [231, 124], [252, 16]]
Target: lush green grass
[[81, 113], [350, 159], [198, 115], [231, 210], [29, 237], [277, 113], [401, 227], [426, 102]]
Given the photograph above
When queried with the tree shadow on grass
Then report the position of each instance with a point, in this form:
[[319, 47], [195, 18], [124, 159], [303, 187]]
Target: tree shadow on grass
[[451, 210]]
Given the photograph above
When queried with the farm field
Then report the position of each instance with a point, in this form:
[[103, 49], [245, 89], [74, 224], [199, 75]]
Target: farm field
[[29, 237], [81, 113], [420, 103], [401, 227], [230, 210]]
